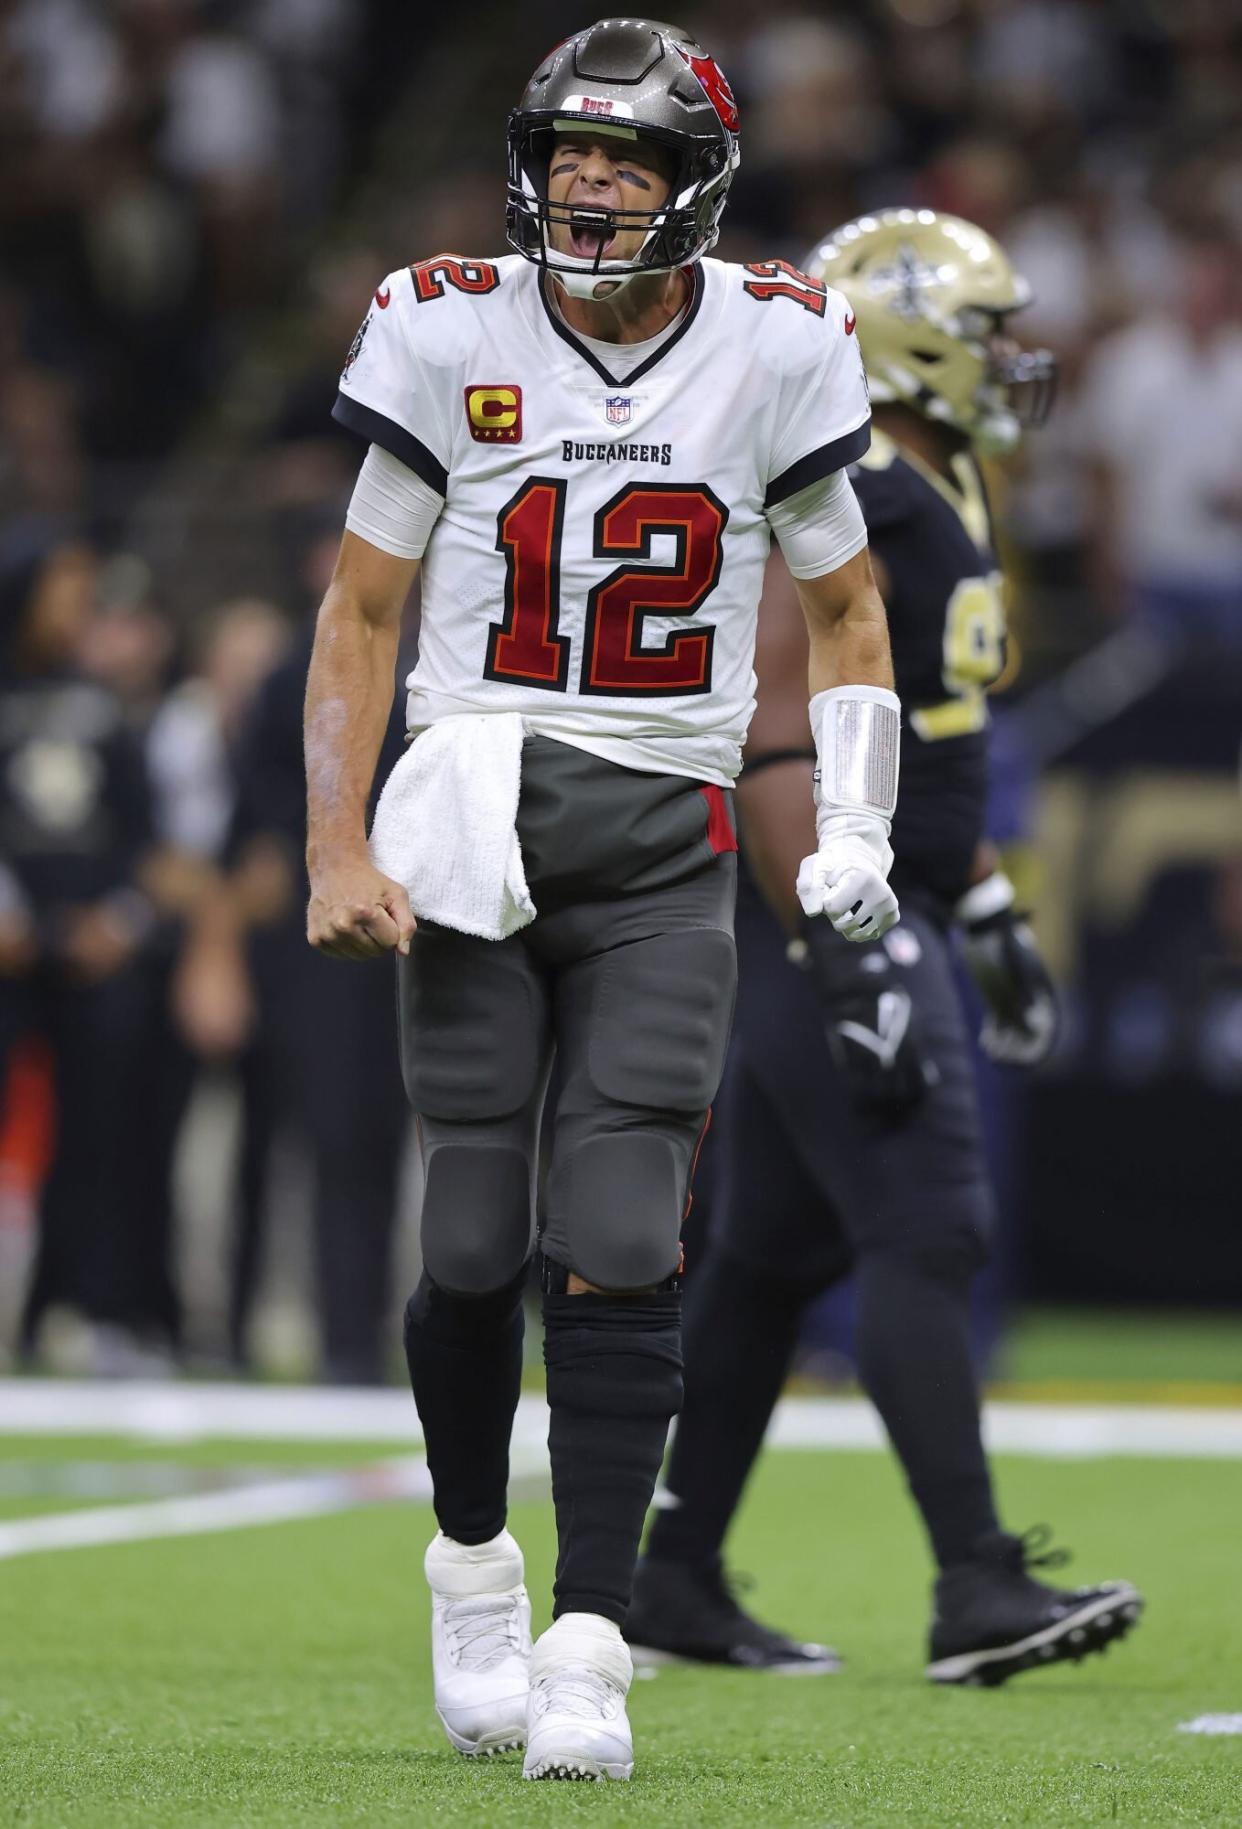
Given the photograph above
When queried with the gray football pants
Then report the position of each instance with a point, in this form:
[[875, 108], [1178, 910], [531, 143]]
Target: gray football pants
[[627, 975]]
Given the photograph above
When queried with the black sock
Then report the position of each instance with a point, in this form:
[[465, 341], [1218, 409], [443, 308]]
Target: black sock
[[465, 1360], [740, 1333], [912, 1332], [614, 1383]]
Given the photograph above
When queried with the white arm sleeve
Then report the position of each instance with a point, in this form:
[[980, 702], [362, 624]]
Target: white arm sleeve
[[391, 507], [820, 527]]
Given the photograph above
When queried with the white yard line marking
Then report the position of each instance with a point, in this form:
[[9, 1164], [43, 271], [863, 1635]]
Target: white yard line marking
[[173, 1412], [271, 1502], [1055, 1431], [192, 1412], [1211, 1724]]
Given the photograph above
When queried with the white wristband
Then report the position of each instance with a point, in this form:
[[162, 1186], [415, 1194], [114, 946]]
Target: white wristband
[[858, 741]]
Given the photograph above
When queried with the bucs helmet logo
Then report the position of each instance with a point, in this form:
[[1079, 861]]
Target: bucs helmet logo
[[715, 86]]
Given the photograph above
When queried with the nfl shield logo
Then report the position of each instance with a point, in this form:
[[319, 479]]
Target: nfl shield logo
[[618, 409]]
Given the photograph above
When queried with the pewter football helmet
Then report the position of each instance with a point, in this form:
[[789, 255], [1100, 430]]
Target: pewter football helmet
[[932, 295], [633, 78]]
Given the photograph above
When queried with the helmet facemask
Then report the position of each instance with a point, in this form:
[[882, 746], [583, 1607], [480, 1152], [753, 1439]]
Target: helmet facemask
[[678, 231], [1017, 386], [967, 371]]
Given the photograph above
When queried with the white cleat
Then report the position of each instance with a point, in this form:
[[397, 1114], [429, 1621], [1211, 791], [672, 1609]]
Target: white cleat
[[577, 1727], [480, 1642]]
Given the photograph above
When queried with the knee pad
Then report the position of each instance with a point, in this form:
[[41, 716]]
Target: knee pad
[[615, 1205], [663, 1012], [476, 1230], [607, 1357]]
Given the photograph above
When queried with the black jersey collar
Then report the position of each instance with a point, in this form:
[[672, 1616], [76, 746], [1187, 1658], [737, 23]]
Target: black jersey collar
[[579, 348]]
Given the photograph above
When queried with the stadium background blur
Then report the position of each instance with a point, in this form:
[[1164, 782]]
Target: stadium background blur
[[196, 200]]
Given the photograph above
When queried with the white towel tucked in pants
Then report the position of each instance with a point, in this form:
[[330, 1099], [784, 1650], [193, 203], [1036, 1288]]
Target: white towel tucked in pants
[[446, 826]]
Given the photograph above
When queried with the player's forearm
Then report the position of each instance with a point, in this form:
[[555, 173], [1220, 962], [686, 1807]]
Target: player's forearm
[[852, 650], [348, 701]]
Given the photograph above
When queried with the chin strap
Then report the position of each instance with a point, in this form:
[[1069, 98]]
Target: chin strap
[[588, 284]]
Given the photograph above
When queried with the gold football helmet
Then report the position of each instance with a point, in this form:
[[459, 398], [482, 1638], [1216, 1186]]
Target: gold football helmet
[[932, 294]]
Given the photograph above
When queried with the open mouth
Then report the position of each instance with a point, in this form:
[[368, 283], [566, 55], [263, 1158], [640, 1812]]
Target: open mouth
[[591, 234]]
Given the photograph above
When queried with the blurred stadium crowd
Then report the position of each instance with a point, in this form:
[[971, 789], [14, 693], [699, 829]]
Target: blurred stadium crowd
[[196, 198]]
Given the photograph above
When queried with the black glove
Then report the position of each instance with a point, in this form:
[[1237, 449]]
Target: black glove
[[871, 1023], [1022, 1018]]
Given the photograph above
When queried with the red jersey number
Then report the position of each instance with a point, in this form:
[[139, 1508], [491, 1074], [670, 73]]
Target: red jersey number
[[615, 661], [525, 647], [431, 276], [777, 279]]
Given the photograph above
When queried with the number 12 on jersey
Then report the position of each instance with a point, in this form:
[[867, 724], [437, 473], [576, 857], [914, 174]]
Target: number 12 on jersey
[[526, 649]]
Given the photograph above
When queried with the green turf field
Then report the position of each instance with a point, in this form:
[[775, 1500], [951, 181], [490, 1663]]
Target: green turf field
[[1122, 1353], [279, 1675]]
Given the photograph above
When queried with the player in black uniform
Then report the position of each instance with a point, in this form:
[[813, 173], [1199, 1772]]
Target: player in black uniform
[[847, 1132]]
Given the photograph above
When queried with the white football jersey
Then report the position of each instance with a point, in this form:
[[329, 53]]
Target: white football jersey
[[599, 557]]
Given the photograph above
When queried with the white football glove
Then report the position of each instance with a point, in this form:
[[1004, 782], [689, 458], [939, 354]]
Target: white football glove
[[846, 879]]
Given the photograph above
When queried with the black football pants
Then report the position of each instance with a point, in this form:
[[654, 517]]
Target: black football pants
[[805, 1189]]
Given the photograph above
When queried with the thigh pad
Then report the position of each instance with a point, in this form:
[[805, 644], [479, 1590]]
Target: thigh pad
[[474, 1026], [661, 1017]]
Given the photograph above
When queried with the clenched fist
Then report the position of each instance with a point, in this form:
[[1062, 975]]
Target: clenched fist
[[847, 878], [355, 912]]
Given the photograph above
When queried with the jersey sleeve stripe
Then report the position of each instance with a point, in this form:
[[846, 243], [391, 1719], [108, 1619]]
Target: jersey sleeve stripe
[[819, 463], [393, 438]]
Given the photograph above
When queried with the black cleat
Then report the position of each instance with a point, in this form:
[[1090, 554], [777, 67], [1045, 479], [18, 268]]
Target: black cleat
[[992, 1619], [687, 1613]]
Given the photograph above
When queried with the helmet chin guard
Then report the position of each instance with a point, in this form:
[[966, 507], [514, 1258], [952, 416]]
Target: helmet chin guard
[[587, 282], [636, 79]]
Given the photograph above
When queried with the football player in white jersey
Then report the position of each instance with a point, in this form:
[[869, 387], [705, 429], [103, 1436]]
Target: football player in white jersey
[[586, 446]]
